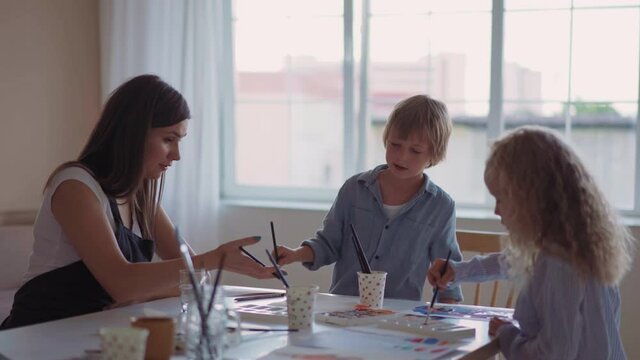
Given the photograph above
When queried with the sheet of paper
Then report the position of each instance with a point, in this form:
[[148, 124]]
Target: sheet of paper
[[384, 343], [304, 353]]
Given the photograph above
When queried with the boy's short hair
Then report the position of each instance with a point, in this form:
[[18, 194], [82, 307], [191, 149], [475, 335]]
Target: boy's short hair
[[425, 116]]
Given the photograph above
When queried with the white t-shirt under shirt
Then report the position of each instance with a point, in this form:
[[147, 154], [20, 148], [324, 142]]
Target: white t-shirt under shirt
[[392, 210], [51, 248]]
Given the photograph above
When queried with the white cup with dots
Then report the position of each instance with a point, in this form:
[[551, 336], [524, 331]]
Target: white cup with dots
[[300, 304], [126, 343], [371, 288]]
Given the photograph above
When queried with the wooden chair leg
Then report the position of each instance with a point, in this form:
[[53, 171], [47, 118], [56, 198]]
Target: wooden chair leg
[[494, 294]]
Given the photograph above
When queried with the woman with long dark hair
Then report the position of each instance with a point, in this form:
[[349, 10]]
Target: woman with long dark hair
[[101, 221]]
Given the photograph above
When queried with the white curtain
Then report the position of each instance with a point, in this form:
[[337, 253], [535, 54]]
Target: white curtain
[[176, 40]]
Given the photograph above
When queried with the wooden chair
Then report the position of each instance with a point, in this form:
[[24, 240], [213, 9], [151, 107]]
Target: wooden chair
[[482, 243]]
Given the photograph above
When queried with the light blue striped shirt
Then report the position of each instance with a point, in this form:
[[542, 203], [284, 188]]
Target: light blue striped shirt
[[403, 246], [560, 315]]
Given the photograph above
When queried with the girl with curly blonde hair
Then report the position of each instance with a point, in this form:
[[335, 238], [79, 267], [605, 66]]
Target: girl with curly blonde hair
[[564, 238]]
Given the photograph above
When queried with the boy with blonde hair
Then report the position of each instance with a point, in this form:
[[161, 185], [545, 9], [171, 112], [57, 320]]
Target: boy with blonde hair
[[403, 219]]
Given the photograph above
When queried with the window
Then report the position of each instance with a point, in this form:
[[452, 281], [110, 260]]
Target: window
[[314, 81], [410, 55], [586, 84]]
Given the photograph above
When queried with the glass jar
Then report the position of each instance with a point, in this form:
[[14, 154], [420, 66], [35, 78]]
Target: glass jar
[[206, 340]]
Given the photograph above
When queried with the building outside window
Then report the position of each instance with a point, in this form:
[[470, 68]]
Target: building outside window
[[314, 82]]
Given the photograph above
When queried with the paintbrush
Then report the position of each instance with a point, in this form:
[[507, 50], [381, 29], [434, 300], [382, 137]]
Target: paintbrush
[[216, 283], [364, 264], [186, 257], [275, 265], [275, 245], [435, 292]]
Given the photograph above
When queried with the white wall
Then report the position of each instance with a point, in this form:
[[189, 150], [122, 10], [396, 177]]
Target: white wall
[[293, 226], [49, 94]]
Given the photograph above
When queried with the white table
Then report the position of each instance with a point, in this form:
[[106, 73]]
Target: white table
[[69, 338]]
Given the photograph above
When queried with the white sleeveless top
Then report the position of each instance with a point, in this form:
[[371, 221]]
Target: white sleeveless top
[[51, 247]]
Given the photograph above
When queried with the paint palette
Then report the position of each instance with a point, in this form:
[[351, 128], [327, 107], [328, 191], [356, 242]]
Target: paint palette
[[270, 313], [436, 328]]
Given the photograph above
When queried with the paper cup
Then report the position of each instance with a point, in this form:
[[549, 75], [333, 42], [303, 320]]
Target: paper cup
[[300, 304], [123, 343], [160, 340], [371, 288]]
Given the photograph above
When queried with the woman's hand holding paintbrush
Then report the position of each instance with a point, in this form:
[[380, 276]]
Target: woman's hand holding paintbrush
[[275, 254], [237, 261], [256, 260]]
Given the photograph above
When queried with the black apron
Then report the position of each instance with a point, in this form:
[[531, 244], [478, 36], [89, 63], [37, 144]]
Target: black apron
[[72, 290]]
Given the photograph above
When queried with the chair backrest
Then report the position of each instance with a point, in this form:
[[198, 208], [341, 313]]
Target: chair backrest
[[482, 242]]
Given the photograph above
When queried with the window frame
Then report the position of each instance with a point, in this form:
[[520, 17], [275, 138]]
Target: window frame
[[355, 119]]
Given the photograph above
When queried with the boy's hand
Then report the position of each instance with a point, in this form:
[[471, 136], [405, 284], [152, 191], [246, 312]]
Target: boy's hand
[[288, 255], [433, 275]]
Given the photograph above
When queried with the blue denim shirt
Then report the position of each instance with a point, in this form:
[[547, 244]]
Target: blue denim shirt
[[424, 230]]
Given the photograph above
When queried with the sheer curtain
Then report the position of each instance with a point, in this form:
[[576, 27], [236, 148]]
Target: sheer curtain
[[176, 40]]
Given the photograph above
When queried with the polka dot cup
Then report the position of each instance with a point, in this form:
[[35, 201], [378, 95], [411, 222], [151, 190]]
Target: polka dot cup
[[300, 301], [123, 343], [371, 287]]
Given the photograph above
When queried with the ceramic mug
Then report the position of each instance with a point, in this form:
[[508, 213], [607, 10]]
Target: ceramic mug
[[161, 332]]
